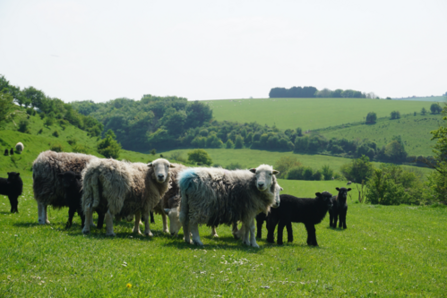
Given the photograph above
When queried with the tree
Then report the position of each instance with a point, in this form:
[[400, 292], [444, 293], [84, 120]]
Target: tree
[[371, 118], [327, 172], [438, 180], [423, 111], [239, 143], [435, 108], [6, 106], [358, 170], [395, 115], [24, 126], [109, 147], [229, 144], [199, 156], [285, 163], [197, 113]]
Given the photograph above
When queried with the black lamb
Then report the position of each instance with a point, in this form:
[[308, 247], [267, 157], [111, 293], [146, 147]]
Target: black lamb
[[12, 187], [11, 152], [6, 152], [339, 208], [73, 193], [293, 209]]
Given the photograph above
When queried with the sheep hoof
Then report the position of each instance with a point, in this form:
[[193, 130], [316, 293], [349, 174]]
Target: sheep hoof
[[215, 235], [166, 231], [85, 232], [255, 245], [149, 234], [111, 234], [47, 221], [198, 242]]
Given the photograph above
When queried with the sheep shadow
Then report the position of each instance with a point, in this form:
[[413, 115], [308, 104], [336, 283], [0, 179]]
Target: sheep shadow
[[336, 229], [235, 245], [5, 212], [26, 224]]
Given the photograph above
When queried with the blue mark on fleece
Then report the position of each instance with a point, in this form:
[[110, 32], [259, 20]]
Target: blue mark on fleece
[[185, 178]]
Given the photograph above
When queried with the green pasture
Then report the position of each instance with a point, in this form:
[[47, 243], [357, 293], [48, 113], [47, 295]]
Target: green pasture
[[308, 113], [414, 130], [248, 158], [385, 252]]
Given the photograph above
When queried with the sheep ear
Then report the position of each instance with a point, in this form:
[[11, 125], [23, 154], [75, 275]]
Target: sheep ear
[[349, 189], [337, 188], [149, 164], [318, 194], [18, 174], [253, 171], [167, 210], [171, 165], [281, 189], [275, 172]]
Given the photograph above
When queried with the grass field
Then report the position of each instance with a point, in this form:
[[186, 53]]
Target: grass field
[[308, 113], [386, 251], [248, 158], [414, 130]]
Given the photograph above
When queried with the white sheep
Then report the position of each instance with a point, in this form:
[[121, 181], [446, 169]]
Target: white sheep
[[216, 196], [19, 147], [125, 188]]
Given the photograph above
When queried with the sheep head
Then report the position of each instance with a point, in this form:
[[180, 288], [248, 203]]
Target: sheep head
[[342, 192], [174, 220], [264, 176], [277, 201], [325, 197], [160, 169]]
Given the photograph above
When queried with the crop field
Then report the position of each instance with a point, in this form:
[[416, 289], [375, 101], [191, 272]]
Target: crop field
[[414, 130], [308, 113], [248, 158], [386, 251]]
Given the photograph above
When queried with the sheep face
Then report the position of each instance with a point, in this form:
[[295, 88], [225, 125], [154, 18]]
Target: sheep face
[[13, 176], [161, 169], [326, 198], [278, 189], [174, 220], [264, 176], [343, 192]]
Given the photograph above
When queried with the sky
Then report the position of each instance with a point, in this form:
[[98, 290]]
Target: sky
[[102, 50]]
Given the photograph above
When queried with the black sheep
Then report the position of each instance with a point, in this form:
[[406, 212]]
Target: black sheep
[[339, 208], [293, 209], [260, 218], [12, 187], [11, 152], [6, 152], [71, 182]]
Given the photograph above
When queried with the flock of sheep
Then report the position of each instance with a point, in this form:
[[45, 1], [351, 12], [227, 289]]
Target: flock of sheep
[[189, 197]]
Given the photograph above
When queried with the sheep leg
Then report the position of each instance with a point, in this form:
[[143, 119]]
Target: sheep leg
[[152, 217], [252, 234], [214, 232], [71, 212], [311, 237], [42, 213], [165, 222], [101, 215], [187, 233], [109, 224], [136, 228], [235, 231], [88, 220], [82, 216], [14, 203], [335, 220], [343, 218], [45, 209], [271, 225], [281, 226], [147, 230], [289, 232], [244, 232], [195, 234], [259, 224]]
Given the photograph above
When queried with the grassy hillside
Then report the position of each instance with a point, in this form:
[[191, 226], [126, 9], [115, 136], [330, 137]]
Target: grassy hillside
[[248, 158], [386, 251], [308, 113], [414, 130]]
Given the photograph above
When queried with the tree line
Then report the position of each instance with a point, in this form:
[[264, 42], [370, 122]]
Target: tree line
[[309, 92]]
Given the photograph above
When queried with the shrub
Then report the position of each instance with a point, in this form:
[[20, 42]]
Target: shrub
[[371, 118], [358, 170], [40, 131], [24, 126], [109, 147], [295, 173], [55, 134], [435, 108], [284, 164], [80, 148], [56, 147], [72, 141], [229, 144], [199, 156], [327, 172], [178, 156], [423, 111], [239, 143], [234, 166], [395, 115]]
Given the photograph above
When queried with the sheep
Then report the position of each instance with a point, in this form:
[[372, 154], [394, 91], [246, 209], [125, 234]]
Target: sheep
[[72, 184], [171, 198], [19, 147], [349, 183], [293, 209], [126, 189], [11, 152], [47, 185], [6, 152], [12, 187], [261, 217], [216, 196], [339, 208]]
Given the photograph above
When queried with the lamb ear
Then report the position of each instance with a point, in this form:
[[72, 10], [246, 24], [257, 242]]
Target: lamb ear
[[167, 210], [318, 194], [171, 165], [349, 189], [149, 164], [253, 171], [18, 174], [281, 189], [275, 172], [337, 188]]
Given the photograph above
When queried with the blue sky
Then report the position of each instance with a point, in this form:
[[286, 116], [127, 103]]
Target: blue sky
[[102, 50]]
